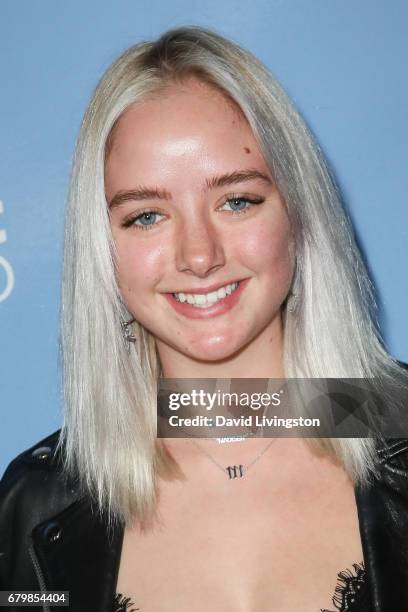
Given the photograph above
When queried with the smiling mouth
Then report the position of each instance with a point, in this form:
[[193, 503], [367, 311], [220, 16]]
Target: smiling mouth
[[204, 300]]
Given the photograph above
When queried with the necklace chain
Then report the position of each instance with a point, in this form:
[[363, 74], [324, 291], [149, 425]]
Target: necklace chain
[[236, 470]]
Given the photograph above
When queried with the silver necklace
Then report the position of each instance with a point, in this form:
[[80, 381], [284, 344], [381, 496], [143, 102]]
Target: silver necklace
[[234, 471]]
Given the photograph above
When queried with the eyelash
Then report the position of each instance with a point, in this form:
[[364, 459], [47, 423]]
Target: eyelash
[[251, 201]]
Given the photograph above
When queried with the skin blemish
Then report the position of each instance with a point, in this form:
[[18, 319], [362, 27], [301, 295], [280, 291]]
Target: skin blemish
[[247, 150]]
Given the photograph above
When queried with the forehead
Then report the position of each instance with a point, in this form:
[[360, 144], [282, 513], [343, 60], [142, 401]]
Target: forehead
[[192, 107], [179, 138]]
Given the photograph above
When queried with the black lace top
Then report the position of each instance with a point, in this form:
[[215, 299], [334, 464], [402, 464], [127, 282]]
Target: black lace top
[[123, 604], [351, 593]]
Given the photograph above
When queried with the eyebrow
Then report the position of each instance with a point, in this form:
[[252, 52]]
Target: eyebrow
[[146, 193]]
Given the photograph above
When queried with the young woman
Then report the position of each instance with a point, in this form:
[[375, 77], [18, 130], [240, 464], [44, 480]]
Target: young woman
[[205, 239]]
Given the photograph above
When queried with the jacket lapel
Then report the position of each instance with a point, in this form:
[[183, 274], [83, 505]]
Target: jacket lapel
[[383, 517], [77, 553]]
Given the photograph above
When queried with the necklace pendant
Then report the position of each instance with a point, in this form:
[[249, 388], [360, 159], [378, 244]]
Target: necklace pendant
[[235, 471]]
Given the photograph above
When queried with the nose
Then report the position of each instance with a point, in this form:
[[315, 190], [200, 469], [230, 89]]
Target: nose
[[199, 249]]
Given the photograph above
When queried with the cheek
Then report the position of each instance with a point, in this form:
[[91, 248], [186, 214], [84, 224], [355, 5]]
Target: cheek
[[138, 266], [268, 247]]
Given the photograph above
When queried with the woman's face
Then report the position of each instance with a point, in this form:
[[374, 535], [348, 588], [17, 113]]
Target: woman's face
[[203, 239]]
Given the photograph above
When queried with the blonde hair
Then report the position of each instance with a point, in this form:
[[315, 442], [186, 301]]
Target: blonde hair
[[108, 435]]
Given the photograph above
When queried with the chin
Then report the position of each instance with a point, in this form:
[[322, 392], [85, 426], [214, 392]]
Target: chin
[[214, 349]]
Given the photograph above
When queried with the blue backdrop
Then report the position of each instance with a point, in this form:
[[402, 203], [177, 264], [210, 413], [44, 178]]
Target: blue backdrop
[[344, 64]]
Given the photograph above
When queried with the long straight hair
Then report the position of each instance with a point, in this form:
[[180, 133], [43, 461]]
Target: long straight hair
[[108, 435]]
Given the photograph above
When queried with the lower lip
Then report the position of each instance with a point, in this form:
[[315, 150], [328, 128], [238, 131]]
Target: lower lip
[[214, 310]]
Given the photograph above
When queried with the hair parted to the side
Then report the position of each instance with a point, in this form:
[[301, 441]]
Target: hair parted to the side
[[109, 431]]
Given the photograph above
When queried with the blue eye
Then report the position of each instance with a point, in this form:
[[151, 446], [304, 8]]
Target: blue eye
[[145, 220], [240, 204]]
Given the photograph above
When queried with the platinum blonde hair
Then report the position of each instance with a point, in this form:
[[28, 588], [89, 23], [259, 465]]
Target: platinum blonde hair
[[109, 430]]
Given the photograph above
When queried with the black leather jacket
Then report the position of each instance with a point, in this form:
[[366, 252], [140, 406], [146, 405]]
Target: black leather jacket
[[50, 539]]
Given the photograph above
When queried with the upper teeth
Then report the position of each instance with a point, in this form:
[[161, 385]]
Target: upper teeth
[[202, 300]]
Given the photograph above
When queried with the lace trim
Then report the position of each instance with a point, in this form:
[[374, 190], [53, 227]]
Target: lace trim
[[122, 604], [351, 589]]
